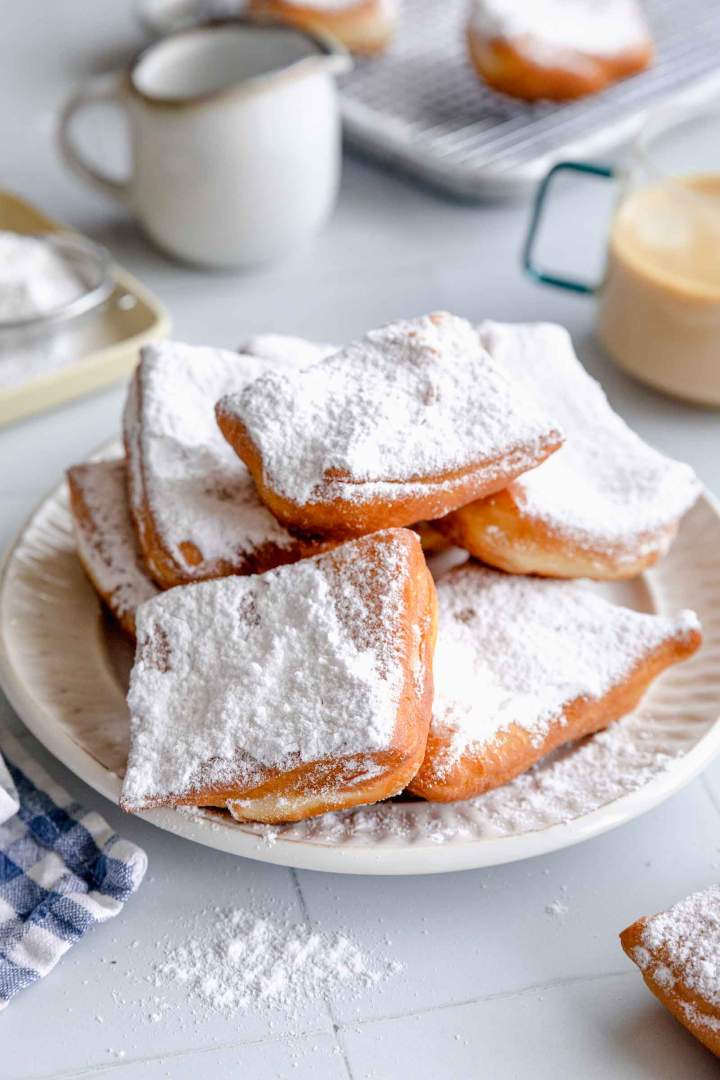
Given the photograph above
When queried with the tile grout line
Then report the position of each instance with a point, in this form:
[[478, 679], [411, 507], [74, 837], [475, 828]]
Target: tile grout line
[[88, 1070], [554, 984], [328, 1004], [710, 794]]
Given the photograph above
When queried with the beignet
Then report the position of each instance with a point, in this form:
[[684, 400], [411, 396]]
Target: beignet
[[557, 49], [106, 542], [286, 694], [523, 665], [196, 511], [365, 27], [410, 422], [606, 505], [678, 953]]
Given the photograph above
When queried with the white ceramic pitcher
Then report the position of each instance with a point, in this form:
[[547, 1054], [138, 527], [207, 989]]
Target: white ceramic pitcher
[[235, 139]]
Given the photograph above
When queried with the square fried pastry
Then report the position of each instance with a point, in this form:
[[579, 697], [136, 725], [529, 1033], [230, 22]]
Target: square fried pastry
[[106, 542], [365, 27], [678, 953], [410, 422], [196, 510], [286, 694], [557, 49], [524, 665], [606, 505]]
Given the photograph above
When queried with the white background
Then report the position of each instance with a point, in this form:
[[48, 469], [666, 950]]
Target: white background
[[493, 986]]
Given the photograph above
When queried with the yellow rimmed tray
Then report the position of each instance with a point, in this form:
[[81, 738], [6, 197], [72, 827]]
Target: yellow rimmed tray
[[109, 341]]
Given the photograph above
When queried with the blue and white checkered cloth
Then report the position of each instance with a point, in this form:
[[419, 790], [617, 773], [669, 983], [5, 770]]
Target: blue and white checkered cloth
[[9, 804], [62, 870]]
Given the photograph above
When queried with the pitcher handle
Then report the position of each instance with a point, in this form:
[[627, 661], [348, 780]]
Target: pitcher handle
[[606, 172], [103, 88]]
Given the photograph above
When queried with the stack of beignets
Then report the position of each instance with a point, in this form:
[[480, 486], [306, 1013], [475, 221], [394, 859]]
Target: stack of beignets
[[286, 620]]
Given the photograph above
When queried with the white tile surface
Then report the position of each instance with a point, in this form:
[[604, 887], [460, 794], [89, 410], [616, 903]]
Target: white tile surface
[[595, 1029], [465, 936], [308, 1057], [545, 996]]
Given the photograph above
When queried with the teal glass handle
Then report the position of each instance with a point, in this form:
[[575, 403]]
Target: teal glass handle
[[607, 173]]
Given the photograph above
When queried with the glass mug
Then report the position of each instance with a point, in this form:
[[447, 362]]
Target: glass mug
[[659, 299]]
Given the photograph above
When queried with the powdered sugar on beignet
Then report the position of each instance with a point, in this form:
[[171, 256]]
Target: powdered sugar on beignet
[[678, 953], [512, 654], [362, 26], [240, 680], [106, 541], [685, 942], [287, 349], [557, 49], [416, 411], [610, 501], [596, 27], [194, 502]]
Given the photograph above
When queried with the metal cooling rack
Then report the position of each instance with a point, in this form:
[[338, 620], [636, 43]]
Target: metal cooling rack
[[422, 108]]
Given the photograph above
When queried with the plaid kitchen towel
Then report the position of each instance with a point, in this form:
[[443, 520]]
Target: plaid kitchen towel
[[62, 870], [9, 804]]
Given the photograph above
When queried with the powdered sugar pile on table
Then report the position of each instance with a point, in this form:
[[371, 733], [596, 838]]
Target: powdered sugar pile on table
[[232, 959]]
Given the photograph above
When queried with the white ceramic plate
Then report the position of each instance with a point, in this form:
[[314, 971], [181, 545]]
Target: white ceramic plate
[[64, 668]]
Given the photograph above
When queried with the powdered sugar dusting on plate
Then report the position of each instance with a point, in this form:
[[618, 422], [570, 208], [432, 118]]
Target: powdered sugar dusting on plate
[[517, 650], [683, 943], [566, 785], [297, 665], [408, 404], [107, 546], [605, 485]]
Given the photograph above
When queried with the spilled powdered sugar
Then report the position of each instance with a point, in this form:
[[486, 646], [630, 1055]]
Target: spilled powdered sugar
[[683, 944], [108, 548], [517, 650], [407, 404], [196, 487], [230, 960], [299, 664], [216, 966], [604, 486], [597, 27]]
